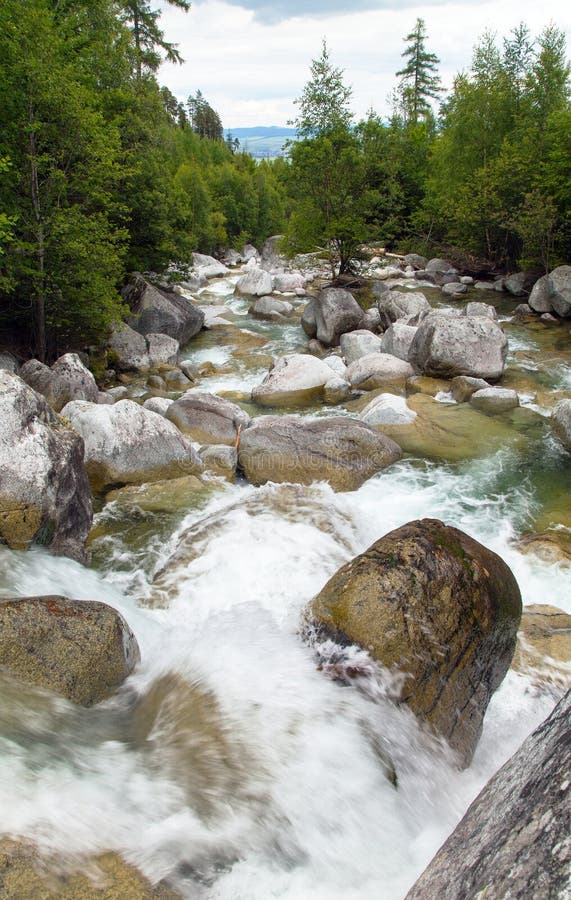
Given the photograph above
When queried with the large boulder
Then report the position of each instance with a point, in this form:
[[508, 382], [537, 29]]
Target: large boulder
[[494, 400], [271, 308], [81, 649], [68, 379], [207, 418], [445, 346], [356, 344], [515, 839], [128, 350], [561, 423], [26, 874], [126, 444], [397, 340], [288, 282], [415, 260], [552, 293], [44, 490], [396, 305], [336, 312], [377, 370], [208, 267], [440, 267], [516, 284], [387, 409], [255, 283], [434, 604], [308, 321], [8, 362], [295, 380], [160, 312], [340, 450], [163, 351]]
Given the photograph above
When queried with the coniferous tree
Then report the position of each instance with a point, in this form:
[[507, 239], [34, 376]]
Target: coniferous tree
[[324, 103], [148, 39], [419, 78]]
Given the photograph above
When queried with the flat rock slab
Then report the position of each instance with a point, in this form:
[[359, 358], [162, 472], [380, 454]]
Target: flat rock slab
[[343, 451]]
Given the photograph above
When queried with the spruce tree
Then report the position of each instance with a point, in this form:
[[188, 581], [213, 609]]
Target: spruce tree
[[419, 79], [324, 103]]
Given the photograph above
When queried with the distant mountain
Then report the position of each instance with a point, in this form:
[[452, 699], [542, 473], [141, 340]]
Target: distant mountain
[[262, 141]]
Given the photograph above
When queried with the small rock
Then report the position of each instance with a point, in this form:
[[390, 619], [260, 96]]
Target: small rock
[[377, 370], [356, 344], [494, 400]]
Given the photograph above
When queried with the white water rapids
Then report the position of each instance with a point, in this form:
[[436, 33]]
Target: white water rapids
[[284, 793]]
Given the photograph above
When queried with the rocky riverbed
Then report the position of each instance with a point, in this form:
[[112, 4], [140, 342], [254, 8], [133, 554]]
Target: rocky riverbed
[[315, 519]]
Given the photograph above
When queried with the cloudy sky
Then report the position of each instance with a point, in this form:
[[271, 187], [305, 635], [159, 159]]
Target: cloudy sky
[[251, 58]]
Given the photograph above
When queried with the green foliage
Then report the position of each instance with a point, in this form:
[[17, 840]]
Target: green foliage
[[420, 81], [324, 103]]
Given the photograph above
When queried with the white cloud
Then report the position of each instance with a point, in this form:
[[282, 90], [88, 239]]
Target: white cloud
[[251, 70]]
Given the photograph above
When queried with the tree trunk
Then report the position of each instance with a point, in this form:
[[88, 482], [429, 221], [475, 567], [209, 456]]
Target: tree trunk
[[39, 307]]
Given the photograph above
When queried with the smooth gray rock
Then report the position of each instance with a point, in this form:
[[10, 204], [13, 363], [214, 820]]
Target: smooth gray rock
[[387, 409], [540, 296], [288, 282], [356, 344], [343, 451], [128, 350], [337, 365], [336, 390], [372, 320], [68, 379], [336, 312], [481, 309], [208, 267], [446, 346], [515, 839], [308, 322], [127, 444], [377, 370], [560, 283], [295, 380], [561, 423], [494, 400], [415, 260], [220, 459], [454, 288], [80, 649], [440, 266], [163, 350], [463, 386], [515, 284], [160, 312], [271, 308], [397, 340], [398, 305], [44, 490], [158, 405], [255, 282], [207, 418], [8, 363]]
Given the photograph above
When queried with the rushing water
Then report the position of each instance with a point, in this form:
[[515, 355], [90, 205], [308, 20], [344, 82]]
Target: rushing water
[[230, 763]]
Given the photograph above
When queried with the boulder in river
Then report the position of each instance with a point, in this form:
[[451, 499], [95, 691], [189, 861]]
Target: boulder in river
[[356, 344], [256, 282], [515, 839], [552, 293], [44, 490], [336, 312], [68, 379], [378, 370], [208, 267], [397, 340], [271, 308], [126, 444], [430, 602], [158, 311], [207, 418], [446, 346], [295, 380], [80, 649], [561, 423], [343, 451], [396, 305], [308, 322], [494, 400]]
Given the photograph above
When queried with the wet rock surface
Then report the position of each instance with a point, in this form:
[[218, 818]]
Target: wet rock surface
[[430, 602], [82, 650], [446, 346], [207, 418], [44, 490], [515, 839]]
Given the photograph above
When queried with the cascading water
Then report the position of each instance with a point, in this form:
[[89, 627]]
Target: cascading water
[[230, 764]]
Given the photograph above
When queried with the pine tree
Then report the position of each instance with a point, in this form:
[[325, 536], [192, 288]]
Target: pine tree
[[147, 36], [324, 103], [419, 78]]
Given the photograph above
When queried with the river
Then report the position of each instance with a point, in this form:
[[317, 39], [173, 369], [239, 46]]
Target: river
[[229, 763]]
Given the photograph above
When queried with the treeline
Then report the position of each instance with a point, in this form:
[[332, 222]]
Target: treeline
[[102, 171], [488, 178]]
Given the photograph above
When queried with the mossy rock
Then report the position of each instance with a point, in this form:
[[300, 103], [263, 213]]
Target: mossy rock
[[430, 602]]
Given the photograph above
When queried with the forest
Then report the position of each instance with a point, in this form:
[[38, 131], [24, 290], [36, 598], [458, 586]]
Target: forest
[[103, 171]]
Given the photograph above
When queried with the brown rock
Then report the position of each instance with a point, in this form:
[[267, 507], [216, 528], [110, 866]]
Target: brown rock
[[431, 602], [81, 649], [543, 647]]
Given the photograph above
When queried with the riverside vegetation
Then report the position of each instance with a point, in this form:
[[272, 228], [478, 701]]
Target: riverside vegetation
[[239, 654]]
